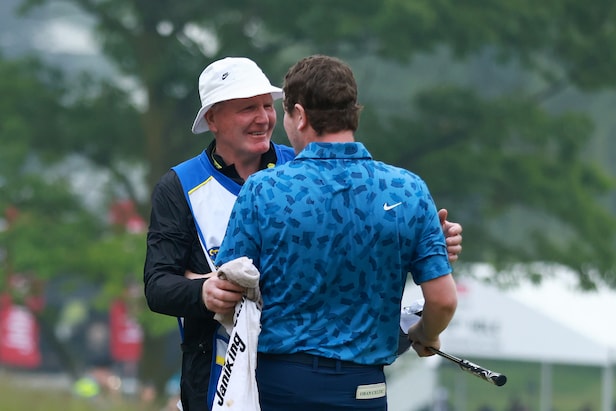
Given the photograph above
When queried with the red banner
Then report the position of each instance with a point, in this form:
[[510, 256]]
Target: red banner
[[19, 336], [126, 334]]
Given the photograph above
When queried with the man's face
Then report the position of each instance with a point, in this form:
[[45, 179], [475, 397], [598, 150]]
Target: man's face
[[243, 126]]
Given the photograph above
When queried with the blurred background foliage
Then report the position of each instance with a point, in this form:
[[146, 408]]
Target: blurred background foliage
[[504, 107]]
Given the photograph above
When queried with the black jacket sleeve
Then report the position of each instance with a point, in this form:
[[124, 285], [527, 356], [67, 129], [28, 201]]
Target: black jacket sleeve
[[172, 248]]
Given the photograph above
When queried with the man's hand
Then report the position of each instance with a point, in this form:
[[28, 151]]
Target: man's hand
[[420, 343], [219, 296], [453, 236]]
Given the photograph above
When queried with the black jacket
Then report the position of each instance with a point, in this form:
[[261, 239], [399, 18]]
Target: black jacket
[[172, 248]]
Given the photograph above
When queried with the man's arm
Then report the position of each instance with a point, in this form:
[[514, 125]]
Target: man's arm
[[440, 305], [172, 247]]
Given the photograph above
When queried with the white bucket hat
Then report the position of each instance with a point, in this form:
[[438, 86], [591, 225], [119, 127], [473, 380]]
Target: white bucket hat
[[228, 79]]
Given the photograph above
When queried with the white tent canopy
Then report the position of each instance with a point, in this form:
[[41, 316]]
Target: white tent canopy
[[489, 323], [517, 325]]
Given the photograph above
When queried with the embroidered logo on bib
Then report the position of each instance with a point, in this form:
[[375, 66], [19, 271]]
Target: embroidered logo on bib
[[370, 391]]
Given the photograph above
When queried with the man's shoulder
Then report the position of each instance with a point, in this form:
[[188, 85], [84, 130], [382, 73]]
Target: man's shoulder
[[284, 153], [168, 185], [169, 179], [396, 171], [191, 163]]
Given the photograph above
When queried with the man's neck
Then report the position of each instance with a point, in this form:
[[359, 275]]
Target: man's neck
[[245, 170], [244, 165], [344, 136]]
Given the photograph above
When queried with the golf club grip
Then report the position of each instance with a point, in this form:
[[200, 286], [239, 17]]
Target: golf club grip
[[474, 369]]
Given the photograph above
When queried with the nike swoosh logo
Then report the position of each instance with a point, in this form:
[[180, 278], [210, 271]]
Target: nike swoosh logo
[[388, 207]]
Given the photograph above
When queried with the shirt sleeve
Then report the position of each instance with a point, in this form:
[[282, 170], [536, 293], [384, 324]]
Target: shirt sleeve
[[172, 248], [430, 259]]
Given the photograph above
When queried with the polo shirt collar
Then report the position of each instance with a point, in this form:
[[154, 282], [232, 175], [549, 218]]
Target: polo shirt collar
[[354, 150], [268, 160]]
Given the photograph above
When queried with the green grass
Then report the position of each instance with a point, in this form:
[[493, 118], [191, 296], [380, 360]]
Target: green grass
[[15, 395], [573, 387]]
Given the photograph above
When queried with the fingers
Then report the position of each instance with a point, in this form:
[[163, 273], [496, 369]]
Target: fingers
[[421, 350], [454, 247], [221, 296], [451, 229], [453, 239], [420, 342], [453, 256], [442, 216]]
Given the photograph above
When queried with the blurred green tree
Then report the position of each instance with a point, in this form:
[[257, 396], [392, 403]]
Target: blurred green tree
[[511, 153], [48, 228], [507, 164]]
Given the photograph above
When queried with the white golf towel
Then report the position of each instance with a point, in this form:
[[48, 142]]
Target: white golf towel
[[237, 385]]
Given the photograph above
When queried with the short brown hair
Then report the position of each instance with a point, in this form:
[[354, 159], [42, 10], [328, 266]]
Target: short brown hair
[[326, 88]]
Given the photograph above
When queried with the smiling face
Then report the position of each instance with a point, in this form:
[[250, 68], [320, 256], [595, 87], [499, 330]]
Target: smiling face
[[243, 127]]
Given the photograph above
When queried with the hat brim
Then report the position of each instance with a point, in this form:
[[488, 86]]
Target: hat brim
[[200, 125]]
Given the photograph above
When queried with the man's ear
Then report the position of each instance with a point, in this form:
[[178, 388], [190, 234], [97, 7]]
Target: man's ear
[[302, 121], [209, 119]]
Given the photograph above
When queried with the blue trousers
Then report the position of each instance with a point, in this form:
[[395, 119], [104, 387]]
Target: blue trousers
[[301, 382]]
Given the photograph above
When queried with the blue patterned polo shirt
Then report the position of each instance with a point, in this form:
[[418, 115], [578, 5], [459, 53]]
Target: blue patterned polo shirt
[[334, 234]]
